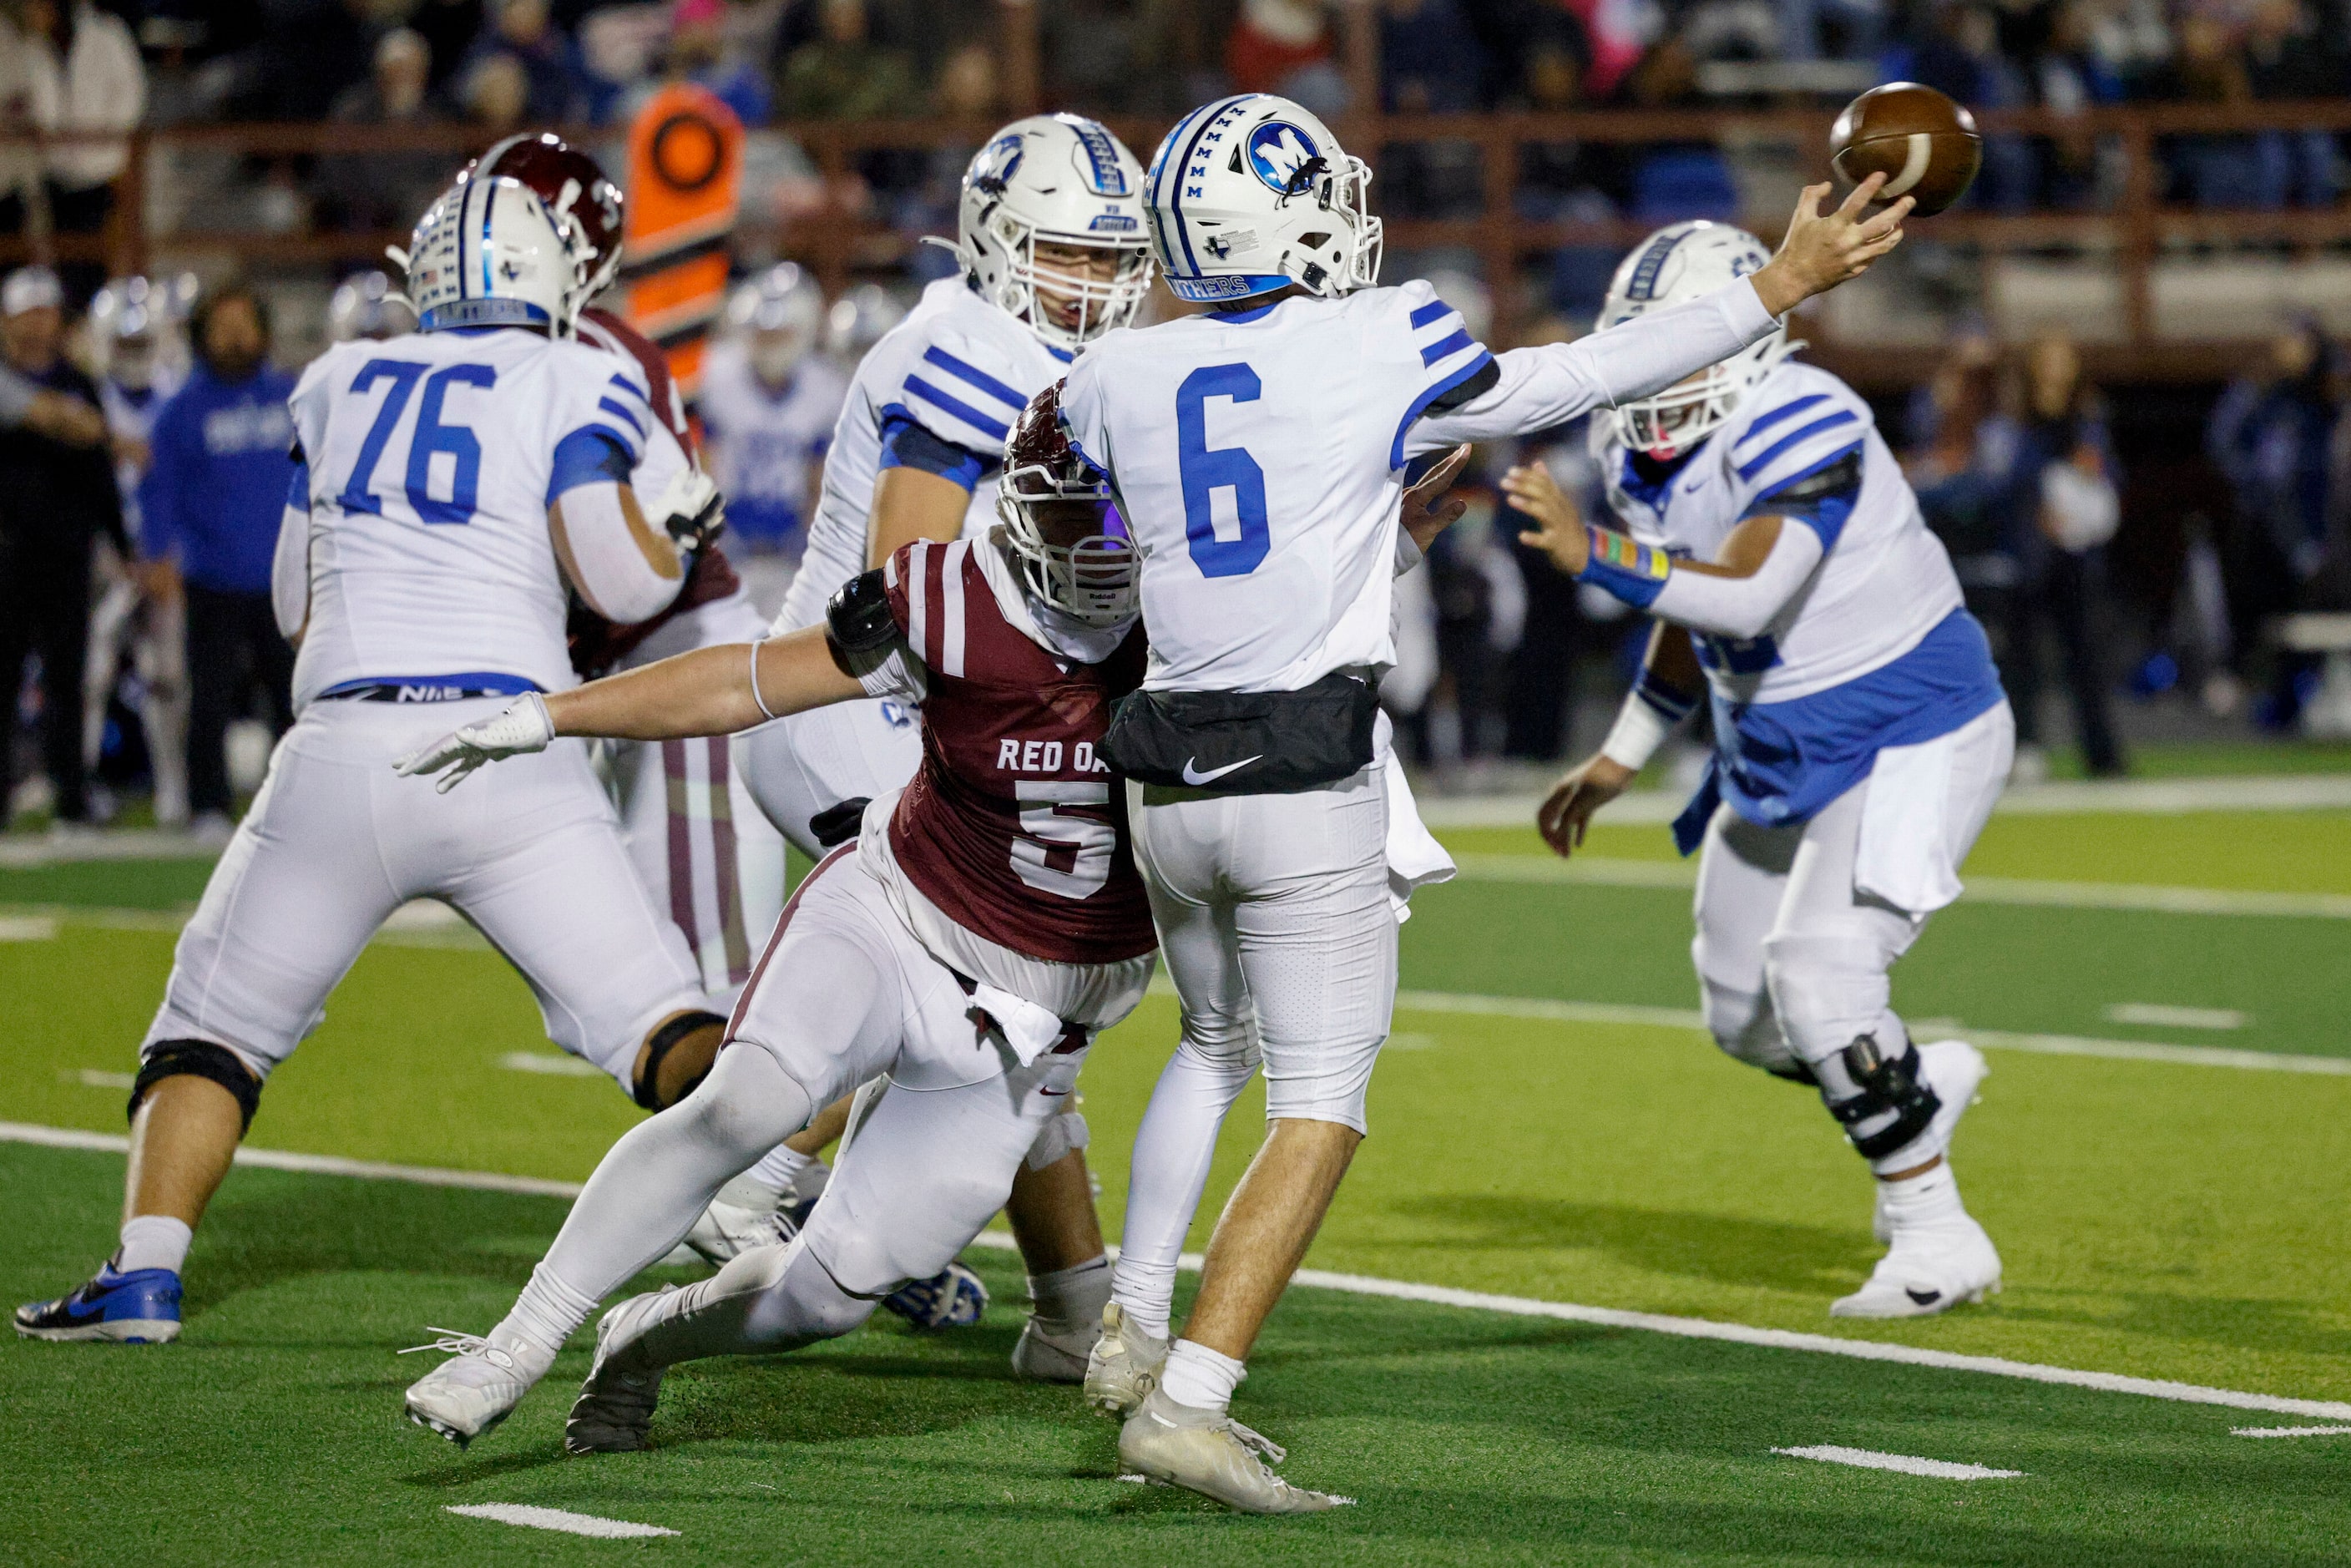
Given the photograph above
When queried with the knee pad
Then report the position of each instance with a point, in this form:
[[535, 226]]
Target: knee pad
[[1058, 1138], [197, 1059], [645, 1088], [1888, 1102], [1828, 990]]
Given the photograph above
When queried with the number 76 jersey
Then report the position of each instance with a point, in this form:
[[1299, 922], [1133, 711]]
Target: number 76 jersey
[[429, 463]]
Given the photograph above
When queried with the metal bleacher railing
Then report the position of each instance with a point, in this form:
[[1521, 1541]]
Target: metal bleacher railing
[[2128, 235]]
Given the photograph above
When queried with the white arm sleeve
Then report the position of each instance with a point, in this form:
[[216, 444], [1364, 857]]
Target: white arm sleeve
[[1407, 554], [289, 572], [1542, 388], [1741, 607], [615, 577]]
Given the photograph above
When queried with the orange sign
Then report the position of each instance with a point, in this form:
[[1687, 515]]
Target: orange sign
[[686, 177]]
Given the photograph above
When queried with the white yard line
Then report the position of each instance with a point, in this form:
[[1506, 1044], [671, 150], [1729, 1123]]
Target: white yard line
[[1356, 1284], [2022, 891], [561, 1518], [2159, 1015], [553, 1063], [2129, 797], [1544, 1009], [2289, 1431], [1871, 1459]]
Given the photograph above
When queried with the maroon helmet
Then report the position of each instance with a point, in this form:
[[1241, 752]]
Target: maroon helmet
[[590, 207], [1061, 522]]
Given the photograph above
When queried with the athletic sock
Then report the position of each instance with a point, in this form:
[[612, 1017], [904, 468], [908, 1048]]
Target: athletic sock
[[778, 1171], [1199, 1377], [1143, 1292], [548, 1312], [1071, 1296], [1931, 1198], [153, 1241], [1173, 1149]]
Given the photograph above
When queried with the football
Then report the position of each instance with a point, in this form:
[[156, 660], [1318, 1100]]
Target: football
[[1925, 144]]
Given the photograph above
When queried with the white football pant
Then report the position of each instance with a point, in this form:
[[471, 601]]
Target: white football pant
[[810, 762], [1793, 960], [529, 850]]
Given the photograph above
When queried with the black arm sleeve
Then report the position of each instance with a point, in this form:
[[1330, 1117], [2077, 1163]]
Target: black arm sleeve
[[1468, 391]]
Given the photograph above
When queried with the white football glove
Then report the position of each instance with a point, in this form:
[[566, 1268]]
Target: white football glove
[[691, 510], [522, 727]]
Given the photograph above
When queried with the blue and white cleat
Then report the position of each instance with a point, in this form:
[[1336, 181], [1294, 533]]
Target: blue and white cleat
[[138, 1308], [951, 1299]]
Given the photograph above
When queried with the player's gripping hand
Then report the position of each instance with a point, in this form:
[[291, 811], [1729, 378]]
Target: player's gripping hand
[[1567, 811], [1429, 507], [1558, 530], [523, 726], [1823, 250], [691, 510]]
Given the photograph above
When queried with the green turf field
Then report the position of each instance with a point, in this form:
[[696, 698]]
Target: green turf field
[[1546, 1124]]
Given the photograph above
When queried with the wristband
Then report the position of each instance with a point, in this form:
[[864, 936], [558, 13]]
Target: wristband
[[1623, 565], [1651, 713], [755, 680]]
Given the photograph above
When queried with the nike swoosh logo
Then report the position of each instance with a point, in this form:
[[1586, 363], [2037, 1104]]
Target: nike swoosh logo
[[1193, 775], [1924, 1298]]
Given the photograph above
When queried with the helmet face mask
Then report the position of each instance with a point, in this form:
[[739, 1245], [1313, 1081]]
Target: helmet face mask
[[1043, 188], [1062, 525], [1679, 263]]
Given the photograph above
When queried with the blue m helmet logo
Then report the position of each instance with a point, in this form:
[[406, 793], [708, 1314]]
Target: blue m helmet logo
[[1278, 151]]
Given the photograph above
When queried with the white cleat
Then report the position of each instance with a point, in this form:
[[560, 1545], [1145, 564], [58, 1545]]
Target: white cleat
[[478, 1386], [1053, 1350], [1124, 1364], [728, 1231], [1955, 1070], [1208, 1452], [615, 1412]]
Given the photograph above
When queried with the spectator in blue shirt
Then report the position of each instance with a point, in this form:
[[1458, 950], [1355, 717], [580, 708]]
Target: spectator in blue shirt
[[209, 512]]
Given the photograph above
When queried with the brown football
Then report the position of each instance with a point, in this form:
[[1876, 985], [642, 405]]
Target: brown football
[[1925, 145]]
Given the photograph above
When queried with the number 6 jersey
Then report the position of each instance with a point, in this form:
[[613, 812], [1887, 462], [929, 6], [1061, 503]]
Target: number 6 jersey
[[430, 462]]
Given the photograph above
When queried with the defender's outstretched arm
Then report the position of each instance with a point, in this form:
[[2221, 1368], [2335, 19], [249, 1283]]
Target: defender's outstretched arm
[[707, 692]]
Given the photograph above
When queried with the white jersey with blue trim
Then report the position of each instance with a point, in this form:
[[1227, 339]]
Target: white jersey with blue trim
[[430, 463], [1885, 581], [1257, 457], [957, 367], [767, 444]]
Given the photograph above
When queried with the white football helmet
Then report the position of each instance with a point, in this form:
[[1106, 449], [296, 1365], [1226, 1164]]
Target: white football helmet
[[1680, 262], [1061, 179], [779, 315], [489, 254], [134, 331], [1253, 194]]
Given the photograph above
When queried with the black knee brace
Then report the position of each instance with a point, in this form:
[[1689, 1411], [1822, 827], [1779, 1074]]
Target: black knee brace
[[1794, 1071], [197, 1058], [1888, 1084], [646, 1089]]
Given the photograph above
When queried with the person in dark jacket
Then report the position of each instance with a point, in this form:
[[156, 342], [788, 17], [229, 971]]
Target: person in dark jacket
[[209, 512], [56, 498]]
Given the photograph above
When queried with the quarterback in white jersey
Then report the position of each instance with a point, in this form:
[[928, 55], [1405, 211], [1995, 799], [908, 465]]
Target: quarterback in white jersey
[[1258, 452], [769, 405], [1051, 237], [1861, 738], [451, 484]]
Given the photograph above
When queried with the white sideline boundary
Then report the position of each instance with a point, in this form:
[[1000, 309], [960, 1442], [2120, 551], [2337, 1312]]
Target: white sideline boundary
[[531, 1517], [1352, 1284], [1907, 1464]]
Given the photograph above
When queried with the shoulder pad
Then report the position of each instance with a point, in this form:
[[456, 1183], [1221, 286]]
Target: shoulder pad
[[858, 618], [1840, 477]]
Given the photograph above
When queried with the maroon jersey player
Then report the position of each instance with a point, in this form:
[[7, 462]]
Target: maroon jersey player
[[984, 928]]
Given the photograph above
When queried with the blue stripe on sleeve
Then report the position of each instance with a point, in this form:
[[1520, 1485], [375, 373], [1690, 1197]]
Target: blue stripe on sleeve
[[592, 454], [906, 443], [1761, 460], [1453, 345], [1429, 395], [1435, 311], [976, 378], [634, 391], [1825, 513], [297, 494], [963, 411], [1764, 422], [633, 422]]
